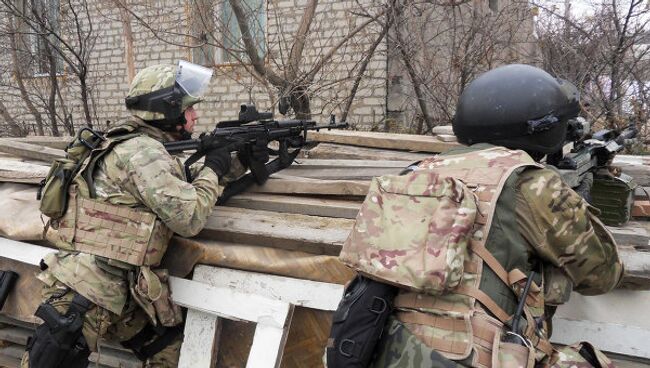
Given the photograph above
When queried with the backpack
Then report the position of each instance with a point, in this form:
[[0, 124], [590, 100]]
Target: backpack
[[412, 231]]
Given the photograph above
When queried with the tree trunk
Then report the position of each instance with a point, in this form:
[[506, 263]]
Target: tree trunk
[[14, 129], [21, 85], [53, 88], [84, 100]]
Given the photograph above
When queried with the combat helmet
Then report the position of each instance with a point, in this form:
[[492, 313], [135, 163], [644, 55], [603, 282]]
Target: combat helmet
[[516, 106], [160, 94]]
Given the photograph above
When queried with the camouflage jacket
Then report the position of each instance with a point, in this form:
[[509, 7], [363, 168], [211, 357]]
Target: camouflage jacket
[[139, 173], [562, 229]]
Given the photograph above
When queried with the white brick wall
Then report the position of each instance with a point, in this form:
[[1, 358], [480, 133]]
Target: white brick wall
[[231, 85]]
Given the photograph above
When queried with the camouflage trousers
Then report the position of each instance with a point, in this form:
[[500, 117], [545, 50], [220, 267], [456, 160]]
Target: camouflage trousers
[[100, 323], [399, 348]]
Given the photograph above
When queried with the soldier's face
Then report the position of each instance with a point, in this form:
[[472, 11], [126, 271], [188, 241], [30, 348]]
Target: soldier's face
[[190, 118]]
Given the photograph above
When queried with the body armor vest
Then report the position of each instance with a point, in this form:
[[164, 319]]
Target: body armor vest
[[134, 236]]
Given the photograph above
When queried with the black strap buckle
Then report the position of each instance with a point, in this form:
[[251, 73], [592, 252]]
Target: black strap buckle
[[351, 344]]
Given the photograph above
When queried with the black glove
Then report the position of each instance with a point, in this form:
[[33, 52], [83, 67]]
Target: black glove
[[219, 161]]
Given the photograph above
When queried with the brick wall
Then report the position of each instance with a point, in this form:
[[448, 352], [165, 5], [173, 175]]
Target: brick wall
[[231, 84]]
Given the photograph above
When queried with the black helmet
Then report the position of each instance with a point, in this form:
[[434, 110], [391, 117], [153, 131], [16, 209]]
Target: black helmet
[[516, 106]]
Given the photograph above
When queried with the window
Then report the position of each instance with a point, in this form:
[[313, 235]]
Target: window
[[233, 45], [494, 5], [39, 25], [204, 28]]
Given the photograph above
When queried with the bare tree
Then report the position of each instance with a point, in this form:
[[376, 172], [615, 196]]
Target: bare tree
[[605, 53], [293, 65], [47, 40], [438, 47]]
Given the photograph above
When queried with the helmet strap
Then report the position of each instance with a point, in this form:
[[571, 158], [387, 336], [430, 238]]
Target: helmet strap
[[170, 125]]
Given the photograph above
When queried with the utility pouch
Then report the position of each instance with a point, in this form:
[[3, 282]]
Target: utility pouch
[[7, 281], [511, 355], [358, 323], [53, 192]]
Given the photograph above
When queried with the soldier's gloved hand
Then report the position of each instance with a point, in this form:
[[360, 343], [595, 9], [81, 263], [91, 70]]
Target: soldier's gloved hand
[[219, 161]]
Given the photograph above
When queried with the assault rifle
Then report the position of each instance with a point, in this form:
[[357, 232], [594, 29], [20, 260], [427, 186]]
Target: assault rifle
[[252, 128], [591, 153]]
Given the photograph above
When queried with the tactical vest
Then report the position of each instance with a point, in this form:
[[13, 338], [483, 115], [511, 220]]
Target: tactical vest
[[455, 322], [131, 235]]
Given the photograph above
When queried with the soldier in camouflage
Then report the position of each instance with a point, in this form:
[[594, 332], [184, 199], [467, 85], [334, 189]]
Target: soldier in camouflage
[[527, 220], [130, 300]]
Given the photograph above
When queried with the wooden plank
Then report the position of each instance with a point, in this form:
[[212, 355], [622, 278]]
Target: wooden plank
[[633, 233], [313, 163], [201, 340], [228, 303], [339, 151], [641, 208], [268, 346], [12, 170], [319, 235], [637, 268], [611, 322], [341, 173], [610, 337], [23, 252], [304, 293], [293, 204], [407, 142], [282, 184], [46, 141], [30, 151]]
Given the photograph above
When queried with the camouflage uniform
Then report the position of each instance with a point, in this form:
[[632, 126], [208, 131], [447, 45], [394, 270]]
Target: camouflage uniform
[[539, 222], [137, 173]]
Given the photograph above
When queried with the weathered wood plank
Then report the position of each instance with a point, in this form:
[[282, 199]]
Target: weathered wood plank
[[282, 184], [46, 141], [637, 268], [641, 208], [633, 233], [312, 234], [21, 172], [268, 346], [313, 163], [341, 173], [304, 293], [294, 204], [31, 151], [228, 303], [611, 337], [339, 151], [201, 340], [610, 321], [407, 142]]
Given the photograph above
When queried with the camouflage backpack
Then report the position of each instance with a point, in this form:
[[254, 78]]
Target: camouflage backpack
[[412, 231]]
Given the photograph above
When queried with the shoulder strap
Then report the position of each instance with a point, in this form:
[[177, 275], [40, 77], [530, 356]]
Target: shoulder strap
[[115, 137]]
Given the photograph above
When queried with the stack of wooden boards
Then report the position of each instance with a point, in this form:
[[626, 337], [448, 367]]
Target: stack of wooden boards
[[294, 225]]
